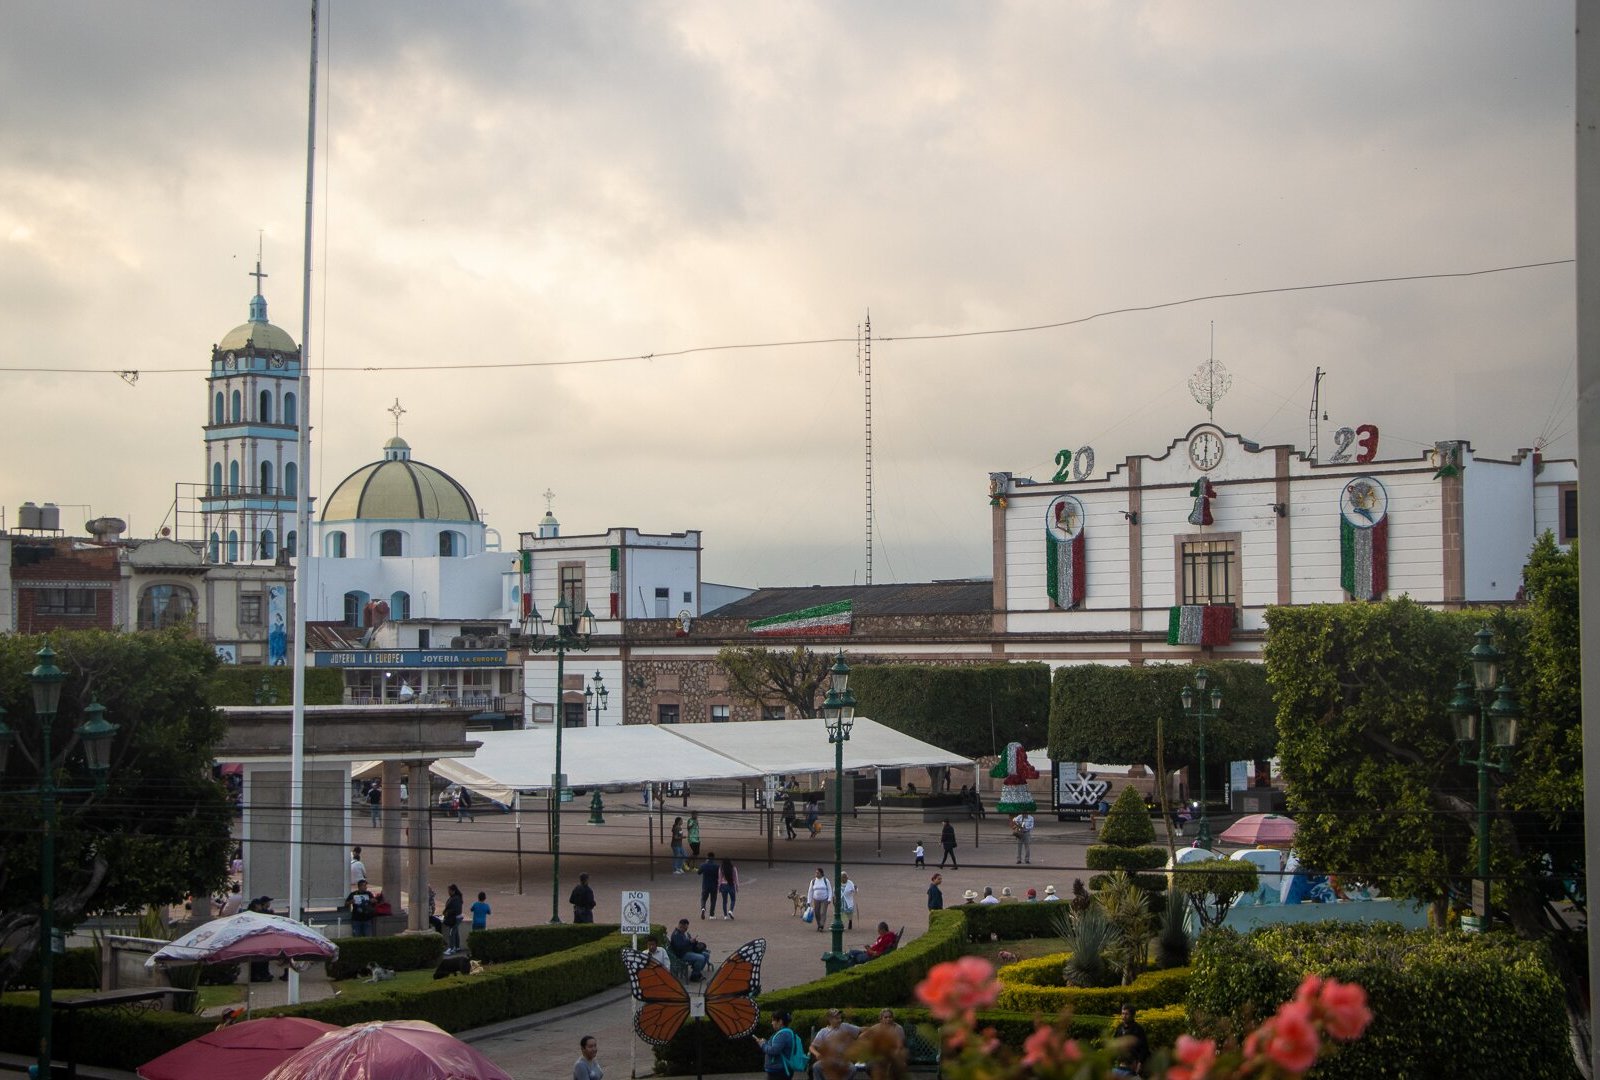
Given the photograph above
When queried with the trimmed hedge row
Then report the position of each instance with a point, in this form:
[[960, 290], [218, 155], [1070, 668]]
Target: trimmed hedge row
[[1111, 857], [1011, 922], [1153, 989], [75, 969], [107, 1037], [1443, 1004], [527, 942], [399, 952]]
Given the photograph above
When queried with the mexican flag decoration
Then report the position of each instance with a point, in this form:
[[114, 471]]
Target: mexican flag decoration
[[1015, 772], [1364, 538], [1063, 552], [1200, 624], [824, 619]]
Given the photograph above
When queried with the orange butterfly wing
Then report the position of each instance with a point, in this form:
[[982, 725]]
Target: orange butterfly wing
[[666, 1002], [731, 993]]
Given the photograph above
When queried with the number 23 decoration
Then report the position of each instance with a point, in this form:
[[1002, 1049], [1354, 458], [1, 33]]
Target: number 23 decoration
[[1073, 465], [1365, 439]]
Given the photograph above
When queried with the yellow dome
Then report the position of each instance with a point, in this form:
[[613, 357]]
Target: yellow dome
[[399, 489], [257, 336]]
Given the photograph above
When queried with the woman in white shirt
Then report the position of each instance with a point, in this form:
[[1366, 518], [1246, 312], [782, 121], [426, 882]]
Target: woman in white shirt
[[847, 900], [820, 893]]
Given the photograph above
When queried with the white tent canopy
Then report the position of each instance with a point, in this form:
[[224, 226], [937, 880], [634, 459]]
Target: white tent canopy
[[644, 753]]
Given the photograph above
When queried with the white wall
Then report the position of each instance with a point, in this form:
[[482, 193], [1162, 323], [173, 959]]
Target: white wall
[[1497, 526]]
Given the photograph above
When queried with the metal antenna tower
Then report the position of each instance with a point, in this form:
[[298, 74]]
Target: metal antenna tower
[[1311, 419], [864, 358]]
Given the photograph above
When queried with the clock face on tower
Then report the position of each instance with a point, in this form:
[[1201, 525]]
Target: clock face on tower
[[1205, 450], [276, 361]]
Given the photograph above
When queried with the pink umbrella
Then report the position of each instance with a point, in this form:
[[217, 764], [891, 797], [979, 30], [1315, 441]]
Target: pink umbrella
[[248, 935], [1262, 830], [246, 1051], [388, 1050]]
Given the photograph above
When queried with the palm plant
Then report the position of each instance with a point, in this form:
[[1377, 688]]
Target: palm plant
[[1127, 908], [1090, 939], [1172, 943]]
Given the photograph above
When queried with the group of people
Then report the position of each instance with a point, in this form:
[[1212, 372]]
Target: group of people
[[837, 1050], [936, 895], [813, 814], [819, 897], [680, 834], [718, 879]]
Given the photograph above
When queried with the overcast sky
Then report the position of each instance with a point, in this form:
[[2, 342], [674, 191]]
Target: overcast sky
[[548, 184]]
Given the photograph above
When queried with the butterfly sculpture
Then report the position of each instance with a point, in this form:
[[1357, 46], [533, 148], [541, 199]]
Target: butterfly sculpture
[[730, 995]]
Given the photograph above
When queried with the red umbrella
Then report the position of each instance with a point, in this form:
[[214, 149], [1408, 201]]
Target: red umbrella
[[246, 1051], [1264, 830], [388, 1050]]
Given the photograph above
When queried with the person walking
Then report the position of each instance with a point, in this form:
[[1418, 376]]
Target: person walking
[[678, 854], [464, 807], [452, 920], [1137, 1051], [358, 869], [847, 900], [587, 1068], [935, 894], [694, 833], [812, 813], [1022, 829], [918, 854], [947, 840], [375, 802], [582, 901], [363, 910], [729, 887], [781, 1049], [710, 874], [480, 912], [820, 893], [788, 817]]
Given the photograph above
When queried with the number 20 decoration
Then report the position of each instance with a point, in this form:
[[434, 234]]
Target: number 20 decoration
[[1365, 439], [1079, 463]]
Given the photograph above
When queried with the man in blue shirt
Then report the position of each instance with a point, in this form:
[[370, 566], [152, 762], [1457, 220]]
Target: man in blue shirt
[[691, 952]]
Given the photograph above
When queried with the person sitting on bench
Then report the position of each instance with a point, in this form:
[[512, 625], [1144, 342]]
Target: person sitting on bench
[[690, 950], [887, 940]]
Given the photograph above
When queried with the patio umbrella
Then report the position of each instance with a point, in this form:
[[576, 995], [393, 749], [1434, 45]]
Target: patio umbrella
[[245, 1051], [1264, 830], [248, 935], [388, 1050]]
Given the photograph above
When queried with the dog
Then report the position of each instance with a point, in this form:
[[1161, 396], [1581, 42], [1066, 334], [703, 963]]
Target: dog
[[1007, 956], [799, 903], [460, 964], [377, 973]]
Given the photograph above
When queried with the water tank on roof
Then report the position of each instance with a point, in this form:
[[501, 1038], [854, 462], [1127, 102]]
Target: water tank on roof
[[50, 517], [28, 516], [106, 528]]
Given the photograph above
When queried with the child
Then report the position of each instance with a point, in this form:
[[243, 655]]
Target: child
[[480, 913], [918, 852]]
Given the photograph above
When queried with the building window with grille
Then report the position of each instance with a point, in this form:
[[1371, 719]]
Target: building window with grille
[[773, 712], [250, 609], [1208, 570], [719, 714], [161, 606], [666, 714], [64, 601], [391, 543], [571, 585], [1567, 500]]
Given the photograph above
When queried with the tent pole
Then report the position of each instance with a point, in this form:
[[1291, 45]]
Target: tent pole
[[650, 839], [517, 801]]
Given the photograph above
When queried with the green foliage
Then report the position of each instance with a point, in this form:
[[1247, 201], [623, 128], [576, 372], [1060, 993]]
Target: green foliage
[[1128, 824], [75, 969], [892, 978], [1010, 922], [161, 831], [972, 710], [1150, 990], [1092, 941], [235, 685], [112, 1038], [1106, 857], [1127, 906], [1173, 944], [1443, 1004], [795, 676], [1100, 713], [399, 952], [526, 942], [1212, 885], [1034, 971]]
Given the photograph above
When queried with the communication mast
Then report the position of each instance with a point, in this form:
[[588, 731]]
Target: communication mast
[[864, 360]]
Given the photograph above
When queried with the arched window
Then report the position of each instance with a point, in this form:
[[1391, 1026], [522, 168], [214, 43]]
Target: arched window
[[335, 545], [452, 544], [291, 474], [391, 542], [400, 606], [217, 413], [267, 544], [161, 606], [233, 477], [214, 549], [216, 478], [291, 541], [238, 407], [288, 410], [354, 602], [264, 414], [233, 545], [266, 478]]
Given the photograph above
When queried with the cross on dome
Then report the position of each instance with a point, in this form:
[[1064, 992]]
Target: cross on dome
[[398, 411]]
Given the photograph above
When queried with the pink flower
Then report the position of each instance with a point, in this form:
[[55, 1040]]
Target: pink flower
[[1195, 1058], [1344, 1010], [959, 988], [1048, 1046], [1289, 1040]]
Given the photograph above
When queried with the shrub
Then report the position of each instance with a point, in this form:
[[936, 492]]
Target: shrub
[[1212, 885], [75, 969], [1128, 822], [1153, 989], [526, 942], [1091, 939], [1173, 945], [1444, 1004], [1010, 922], [114, 1038], [1034, 971], [1109, 857], [401, 952]]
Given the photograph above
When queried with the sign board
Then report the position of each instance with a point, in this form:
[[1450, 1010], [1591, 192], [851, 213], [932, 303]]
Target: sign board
[[1076, 793], [635, 910], [411, 658]]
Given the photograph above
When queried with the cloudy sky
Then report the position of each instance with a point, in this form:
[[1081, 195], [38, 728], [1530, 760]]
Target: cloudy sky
[[553, 185]]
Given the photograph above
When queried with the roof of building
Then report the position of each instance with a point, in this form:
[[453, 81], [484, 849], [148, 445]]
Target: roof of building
[[399, 489], [257, 334], [912, 598]]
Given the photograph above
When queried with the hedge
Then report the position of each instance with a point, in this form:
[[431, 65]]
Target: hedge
[[1112, 857], [397, 952], [107, 1037], [1443, 1004], [75, 969], [238, 684], [1011, 921], [527, 942], [1152, 989]]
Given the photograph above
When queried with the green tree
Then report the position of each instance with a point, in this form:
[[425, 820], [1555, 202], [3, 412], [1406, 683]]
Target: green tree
[[975, 710], [161, 831], [757, 675]]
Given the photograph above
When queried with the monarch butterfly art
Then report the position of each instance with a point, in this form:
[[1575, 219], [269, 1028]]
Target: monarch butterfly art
[[730, 997]]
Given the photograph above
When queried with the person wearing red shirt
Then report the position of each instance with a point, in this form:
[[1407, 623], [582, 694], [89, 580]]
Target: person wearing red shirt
[[885, 943]]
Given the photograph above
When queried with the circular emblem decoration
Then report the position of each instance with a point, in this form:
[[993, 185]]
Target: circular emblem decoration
[[229, 361], [1205, 450], [1364, 502], [635, 911], [1064, 517], [276, 361]]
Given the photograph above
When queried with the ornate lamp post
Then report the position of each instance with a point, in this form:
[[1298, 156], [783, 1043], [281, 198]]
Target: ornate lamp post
[[560, 635], [1486, 714], [595, 697], [839, 713], [1194, 707], [96, 734]]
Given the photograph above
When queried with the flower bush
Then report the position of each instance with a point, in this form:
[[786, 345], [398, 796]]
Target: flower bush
[[1322, 1012]]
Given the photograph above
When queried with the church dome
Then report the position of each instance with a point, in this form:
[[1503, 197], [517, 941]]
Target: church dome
[[399, 489], [258, 335]]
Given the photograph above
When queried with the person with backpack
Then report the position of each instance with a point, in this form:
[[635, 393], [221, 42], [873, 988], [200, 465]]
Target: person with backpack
[[782, 1054]]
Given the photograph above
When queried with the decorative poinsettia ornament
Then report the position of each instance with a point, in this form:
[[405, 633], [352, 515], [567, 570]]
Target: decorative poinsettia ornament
[[1014, 770]]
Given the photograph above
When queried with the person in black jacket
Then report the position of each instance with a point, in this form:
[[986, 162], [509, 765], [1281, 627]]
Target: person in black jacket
[[947, 840], [582, 901], [1132, 1057], [452, 920]]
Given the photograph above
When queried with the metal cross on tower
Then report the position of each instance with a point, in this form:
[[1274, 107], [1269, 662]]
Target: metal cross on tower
[[397, 410]]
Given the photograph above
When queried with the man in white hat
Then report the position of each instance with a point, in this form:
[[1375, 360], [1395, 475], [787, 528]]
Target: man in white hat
[[1050, 894], [969, 897]]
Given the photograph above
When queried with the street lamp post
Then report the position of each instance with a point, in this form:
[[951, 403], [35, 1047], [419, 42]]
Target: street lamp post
[[96, 735], [559, 635], [1484, 713], [596, 697], [839, 711], [1194, 707]]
